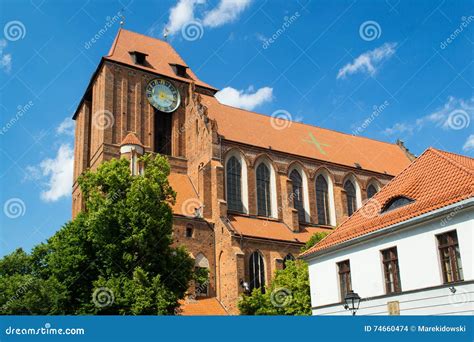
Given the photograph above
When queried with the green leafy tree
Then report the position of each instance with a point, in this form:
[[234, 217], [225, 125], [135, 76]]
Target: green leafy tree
[[114, 258], [289, 292], [314, 239]]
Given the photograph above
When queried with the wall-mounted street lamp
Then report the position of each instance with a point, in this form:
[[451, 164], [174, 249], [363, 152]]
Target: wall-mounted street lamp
[[351, 302], [245, 286]]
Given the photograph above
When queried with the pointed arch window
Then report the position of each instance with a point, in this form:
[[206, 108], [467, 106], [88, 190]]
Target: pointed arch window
[[288, 257], [201, 269], [322, 200], [371, 191], [350, 197], [234, 184], [263, 190], [257, 272], [298, 194]]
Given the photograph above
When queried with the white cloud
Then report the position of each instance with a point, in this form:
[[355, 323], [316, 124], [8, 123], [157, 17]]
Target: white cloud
[[399, 128], [181, 14], [54, 174], [59, 173], [66, 127], [227, 11], [453, 109], [185, 12], [5, 59], [368, 61], [469, 144], [248, 99]]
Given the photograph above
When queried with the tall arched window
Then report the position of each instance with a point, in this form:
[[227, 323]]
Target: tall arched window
[[257, 272], [371, 191], [201, 269], [263, 190], [351, 197], [234, 184], [288, 257], [322, 200], [298, 194]]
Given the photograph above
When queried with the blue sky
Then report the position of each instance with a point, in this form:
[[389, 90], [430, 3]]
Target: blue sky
[[402, 67]]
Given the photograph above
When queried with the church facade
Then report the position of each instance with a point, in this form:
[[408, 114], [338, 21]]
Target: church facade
[[251, 189]]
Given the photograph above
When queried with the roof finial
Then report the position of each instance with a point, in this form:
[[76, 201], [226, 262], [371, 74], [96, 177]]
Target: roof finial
[[165, 33], [122, 17]]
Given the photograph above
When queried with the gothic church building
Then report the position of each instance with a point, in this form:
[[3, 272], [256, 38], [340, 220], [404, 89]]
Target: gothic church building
[[251, 190]]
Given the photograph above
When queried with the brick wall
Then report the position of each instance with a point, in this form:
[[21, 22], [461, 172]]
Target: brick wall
[[119, 92]]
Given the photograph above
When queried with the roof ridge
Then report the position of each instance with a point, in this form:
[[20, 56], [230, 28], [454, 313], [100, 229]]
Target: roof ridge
[[144, 35], [311, 250], [114, 44], [445, 155], [307, 124], [430, 155]]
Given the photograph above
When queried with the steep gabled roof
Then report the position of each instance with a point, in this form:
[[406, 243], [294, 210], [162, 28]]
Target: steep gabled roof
[[434, 180], [262, 130], [160, 55], [306, 140]]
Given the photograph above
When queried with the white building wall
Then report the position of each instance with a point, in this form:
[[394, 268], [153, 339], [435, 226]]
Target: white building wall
[[418, 263]]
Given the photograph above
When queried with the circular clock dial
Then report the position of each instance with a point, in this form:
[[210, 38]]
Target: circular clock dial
[[163, 95]]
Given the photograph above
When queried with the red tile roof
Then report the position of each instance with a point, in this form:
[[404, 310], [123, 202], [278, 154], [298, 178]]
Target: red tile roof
[[302, 139], [160, 55], [270, 229], [201, 307], [285, 136], [131, 139], [186, 196], [434, 180]]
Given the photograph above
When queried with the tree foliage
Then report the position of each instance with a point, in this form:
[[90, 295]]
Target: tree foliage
[[289, 292], [314, 239], [113, 258]]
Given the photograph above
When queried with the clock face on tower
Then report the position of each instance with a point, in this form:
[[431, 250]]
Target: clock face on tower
[[163, 95]]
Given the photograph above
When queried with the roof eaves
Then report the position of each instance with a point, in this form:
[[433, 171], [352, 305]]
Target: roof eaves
[[400, 225]]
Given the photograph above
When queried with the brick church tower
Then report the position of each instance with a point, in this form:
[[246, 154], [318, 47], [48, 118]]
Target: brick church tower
[[250, 192]]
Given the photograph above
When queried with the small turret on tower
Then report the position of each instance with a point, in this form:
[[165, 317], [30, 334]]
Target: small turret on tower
[[132, 148]]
